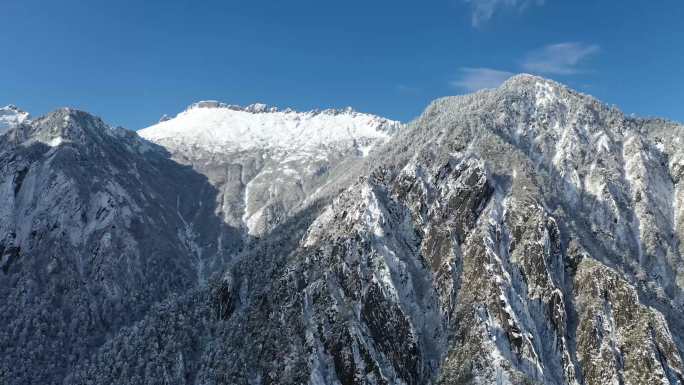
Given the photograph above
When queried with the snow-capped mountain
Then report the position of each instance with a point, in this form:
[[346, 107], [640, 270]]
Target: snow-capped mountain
[[11, 116], [527, 234], [264, 161], [220, 127]]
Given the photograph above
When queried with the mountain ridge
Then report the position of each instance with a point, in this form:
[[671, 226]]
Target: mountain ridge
[[214, 125], [525, 234]]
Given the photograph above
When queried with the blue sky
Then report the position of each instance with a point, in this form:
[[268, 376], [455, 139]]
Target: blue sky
[[132, 61]]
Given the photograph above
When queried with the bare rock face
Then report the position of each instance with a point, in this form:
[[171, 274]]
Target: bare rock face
[[619, 339], [523, 235]]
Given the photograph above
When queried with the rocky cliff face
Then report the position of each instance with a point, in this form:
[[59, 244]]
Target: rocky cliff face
[[523, 235]]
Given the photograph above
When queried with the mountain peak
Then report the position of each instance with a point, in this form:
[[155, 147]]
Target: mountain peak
[[524, 93], [539, 86], [527, 78], [11, 116], [66, 125]]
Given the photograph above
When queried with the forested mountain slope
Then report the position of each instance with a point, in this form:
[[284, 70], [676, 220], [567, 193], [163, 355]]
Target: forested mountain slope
[[523, 235]]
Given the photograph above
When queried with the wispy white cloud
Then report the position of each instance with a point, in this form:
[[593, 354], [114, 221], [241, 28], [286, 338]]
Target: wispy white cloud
[[473, 79], [553, 59], [408, 90], [559, 59], [483, 10]]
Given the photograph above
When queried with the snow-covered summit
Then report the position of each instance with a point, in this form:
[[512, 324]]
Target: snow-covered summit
[[69, 125], [11, 116], [265, 108], [217, 126]]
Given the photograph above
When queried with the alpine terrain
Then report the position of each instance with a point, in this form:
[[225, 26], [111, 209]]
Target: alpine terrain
[[528, 234]]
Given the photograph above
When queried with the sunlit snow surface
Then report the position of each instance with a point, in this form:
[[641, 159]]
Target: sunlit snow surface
[[215, 127]]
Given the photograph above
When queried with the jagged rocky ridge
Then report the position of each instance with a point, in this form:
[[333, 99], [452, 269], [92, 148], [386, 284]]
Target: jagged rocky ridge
[[528, 234]]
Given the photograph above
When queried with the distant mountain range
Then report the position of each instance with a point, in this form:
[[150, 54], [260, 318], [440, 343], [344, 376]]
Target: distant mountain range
[[527, 234]]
